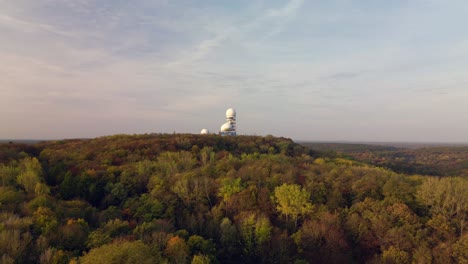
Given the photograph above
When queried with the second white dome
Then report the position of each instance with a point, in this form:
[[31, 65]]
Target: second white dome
[[226, 127]]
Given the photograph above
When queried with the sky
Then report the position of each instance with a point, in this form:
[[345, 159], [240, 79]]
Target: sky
[[353, 70]]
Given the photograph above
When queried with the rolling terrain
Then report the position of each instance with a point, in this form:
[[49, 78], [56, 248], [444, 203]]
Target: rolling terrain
[[426, 159], [180, 198]]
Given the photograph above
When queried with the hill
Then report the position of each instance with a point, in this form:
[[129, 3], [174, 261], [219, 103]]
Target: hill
[[179, 198], [426, 160]]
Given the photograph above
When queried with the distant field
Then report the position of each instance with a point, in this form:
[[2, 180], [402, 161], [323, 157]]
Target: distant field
[[412, 158]]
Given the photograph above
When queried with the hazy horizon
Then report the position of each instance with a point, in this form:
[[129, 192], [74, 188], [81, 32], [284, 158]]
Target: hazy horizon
[[328, 71]]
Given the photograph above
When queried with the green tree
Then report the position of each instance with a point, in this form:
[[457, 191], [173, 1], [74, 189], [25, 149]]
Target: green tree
[[45, 220], [120, 252], [399, 187], [41, 189], [199, 245], [247, 232], [292, 201], [103, 235], [255, 231], [447, 197], [229, 246], [29, 177], [229, 187], [28, 180], [68, 186], [207, 155], [8, 175], [263, 229], [201, 259]]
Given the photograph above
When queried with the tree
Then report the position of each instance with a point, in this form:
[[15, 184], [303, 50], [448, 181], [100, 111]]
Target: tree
[[447, 197], [229, 187], [247, 232], [116, 228], [255, 231], [399, 187], [45, 220], [323, 240], [68, 186], [29, 177], [395, 256], [177, 250], [28, 180], [120, 252], [8, 175], [263, 230], [52, 256], [206, 155], [72, 235], [41, 189], [199, 245], [229, 247], [14, 243], [201, 259], [460, 250], [292, 201]]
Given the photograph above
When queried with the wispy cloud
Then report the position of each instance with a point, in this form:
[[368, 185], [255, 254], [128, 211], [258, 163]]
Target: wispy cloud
[[26, 26], [287, 10], [239, 34]]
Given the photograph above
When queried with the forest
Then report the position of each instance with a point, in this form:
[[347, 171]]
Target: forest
[[450, 160], [182, 198]]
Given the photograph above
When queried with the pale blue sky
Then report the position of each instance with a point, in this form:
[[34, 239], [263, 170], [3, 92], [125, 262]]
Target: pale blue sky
[[361, 70]]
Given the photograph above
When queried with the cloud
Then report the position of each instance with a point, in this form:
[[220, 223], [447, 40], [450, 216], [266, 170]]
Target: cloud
[[162, 65], [200, 51], [237, 33], [288, 10], [26, 26], [342, 76]]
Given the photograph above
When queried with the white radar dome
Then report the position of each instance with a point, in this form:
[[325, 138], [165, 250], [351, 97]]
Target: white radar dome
[[226, 127], [230, 113], [204, 131]]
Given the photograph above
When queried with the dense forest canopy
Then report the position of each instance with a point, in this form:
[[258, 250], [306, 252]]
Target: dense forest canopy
[[408, 159], [184, 198]]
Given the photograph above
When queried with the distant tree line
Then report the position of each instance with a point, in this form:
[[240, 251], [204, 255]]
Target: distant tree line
[[435, 161]]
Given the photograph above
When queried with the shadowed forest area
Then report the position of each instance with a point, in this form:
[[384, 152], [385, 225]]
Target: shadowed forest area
[[180, 198]]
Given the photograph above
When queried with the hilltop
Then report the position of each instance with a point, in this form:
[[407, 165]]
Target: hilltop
[[181, 198]]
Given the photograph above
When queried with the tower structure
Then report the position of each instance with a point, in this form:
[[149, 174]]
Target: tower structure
[[229, 128]]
